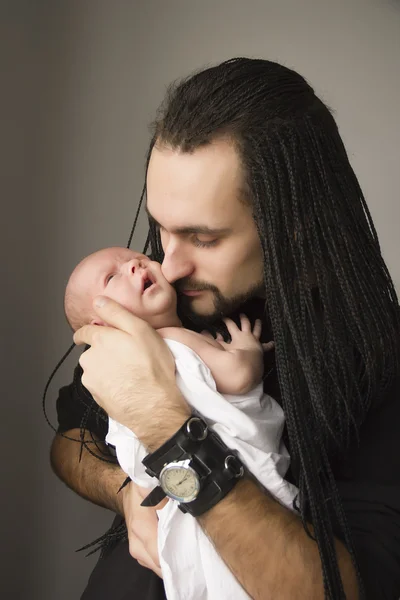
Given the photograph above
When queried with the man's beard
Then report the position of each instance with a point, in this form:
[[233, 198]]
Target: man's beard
[[223, 306]]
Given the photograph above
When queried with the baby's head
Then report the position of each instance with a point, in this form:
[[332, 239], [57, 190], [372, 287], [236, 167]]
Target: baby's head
[[129, 278]]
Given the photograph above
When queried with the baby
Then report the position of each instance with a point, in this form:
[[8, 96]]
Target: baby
[[221, 381]]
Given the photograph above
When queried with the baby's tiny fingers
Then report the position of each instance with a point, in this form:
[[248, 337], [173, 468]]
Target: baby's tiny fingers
[[268, 346], [231, 326], [257, 328], [245, 323]]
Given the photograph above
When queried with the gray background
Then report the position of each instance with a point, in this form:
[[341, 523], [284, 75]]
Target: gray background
[[81, 82]]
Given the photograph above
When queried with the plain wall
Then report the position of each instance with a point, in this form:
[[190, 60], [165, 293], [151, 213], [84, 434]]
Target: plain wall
[[82, 81]]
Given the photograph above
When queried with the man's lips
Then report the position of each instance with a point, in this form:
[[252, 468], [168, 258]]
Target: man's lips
[[192, 292]]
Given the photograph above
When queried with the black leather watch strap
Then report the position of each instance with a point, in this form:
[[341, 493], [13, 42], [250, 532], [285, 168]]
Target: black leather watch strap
[[180, 446], [155, 497], [217, 466], [220, 468]]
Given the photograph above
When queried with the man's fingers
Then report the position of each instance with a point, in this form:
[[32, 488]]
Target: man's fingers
[[156, 570], [145, 526], [143, 543], [146, 533], [86, 335], [142, 524], [117, 318], [116, 315], [139, 552]]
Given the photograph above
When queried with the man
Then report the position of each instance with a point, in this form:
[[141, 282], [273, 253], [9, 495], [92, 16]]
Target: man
[[250, 195]]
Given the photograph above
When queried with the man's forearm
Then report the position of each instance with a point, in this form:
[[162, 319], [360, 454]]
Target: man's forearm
[[263, 543], [91, 478], [267, 549]]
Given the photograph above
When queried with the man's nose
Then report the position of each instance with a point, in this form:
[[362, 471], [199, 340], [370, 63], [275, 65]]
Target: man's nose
[[176, 267]]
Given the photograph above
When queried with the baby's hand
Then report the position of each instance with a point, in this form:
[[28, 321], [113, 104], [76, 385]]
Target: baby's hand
[[245, 338], [243, 363]]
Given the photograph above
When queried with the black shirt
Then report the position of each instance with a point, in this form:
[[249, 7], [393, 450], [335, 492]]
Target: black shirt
[[368, 481]]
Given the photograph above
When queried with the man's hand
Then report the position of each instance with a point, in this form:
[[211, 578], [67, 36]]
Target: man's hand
[[130, 373], [142, 525]]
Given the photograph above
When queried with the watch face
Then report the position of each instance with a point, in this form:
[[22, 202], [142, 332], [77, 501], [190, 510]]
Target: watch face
[[180, 483]]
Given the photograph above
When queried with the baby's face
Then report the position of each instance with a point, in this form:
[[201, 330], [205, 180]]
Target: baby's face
[[129, 278]]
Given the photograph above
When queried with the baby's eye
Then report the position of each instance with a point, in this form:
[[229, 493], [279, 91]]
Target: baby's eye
[[108, 279]]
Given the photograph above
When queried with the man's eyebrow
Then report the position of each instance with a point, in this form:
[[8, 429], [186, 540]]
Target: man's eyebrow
[[202, 229]]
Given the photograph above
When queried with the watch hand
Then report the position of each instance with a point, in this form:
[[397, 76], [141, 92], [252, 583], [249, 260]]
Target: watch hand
[[183, 479]]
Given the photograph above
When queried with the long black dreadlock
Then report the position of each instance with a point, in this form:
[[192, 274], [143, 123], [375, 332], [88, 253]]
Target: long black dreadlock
[[335, 357]]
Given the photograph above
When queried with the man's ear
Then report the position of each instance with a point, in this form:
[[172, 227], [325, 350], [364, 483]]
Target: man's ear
[[98, 322]]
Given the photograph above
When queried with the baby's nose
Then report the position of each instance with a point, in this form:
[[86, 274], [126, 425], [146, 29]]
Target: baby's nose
[[134, 265]]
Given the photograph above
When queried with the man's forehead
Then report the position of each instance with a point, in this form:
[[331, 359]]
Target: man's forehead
[[206, 179], [188, 224], [196, 193]]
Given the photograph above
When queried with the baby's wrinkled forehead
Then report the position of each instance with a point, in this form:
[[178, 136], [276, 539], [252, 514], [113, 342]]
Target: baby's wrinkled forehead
[[117, 254], [92, 270], [109, 258]]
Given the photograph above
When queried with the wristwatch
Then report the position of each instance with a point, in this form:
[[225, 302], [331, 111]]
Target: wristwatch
[[180, 481], [194, 467]]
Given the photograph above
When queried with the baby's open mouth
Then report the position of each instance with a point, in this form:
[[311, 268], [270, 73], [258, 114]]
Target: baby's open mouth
[[148, 281]]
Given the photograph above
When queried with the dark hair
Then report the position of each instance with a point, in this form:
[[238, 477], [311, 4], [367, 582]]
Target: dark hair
[[335, 356]]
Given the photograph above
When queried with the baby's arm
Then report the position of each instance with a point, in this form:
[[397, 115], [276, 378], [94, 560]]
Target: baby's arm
[[236, 367]]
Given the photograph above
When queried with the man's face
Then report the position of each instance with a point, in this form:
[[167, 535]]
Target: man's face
[[212, 250]]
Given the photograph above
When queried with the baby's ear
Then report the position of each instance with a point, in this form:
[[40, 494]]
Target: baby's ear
[[98, 322]]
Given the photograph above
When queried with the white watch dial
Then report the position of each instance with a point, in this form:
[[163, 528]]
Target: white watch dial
[[181, 483]]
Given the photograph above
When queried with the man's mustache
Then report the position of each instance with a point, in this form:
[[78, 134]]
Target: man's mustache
[[195, 286]]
